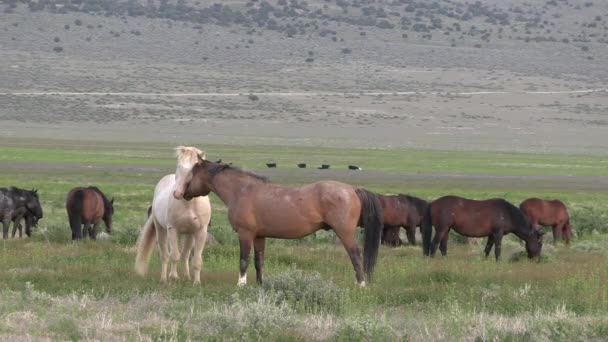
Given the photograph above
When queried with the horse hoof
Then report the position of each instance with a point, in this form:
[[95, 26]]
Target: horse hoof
[[362, 284], [197, 282]]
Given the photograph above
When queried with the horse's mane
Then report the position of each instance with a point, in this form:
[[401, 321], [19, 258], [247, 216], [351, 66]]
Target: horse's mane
[[22, 192], [106, 203], [215, 169], [419, 203], [515, 214], [188, 154]]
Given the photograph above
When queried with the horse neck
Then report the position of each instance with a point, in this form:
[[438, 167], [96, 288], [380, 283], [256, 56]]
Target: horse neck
[[228, 185]]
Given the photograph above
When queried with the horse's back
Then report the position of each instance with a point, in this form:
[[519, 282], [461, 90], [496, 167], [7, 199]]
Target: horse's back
[[547, 212]]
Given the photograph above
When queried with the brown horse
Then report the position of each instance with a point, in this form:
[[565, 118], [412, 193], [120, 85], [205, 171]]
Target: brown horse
[[492, 218], [88, 206], [258, 210], [401, 211], [549, 213]]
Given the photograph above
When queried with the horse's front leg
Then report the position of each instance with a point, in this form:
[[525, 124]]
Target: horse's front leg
[[410, 231], [93, 231], [258, 247], [5, 223], [246, 240], [489, 245], [173, 237], [197, 259], [85, 230], [185, 255], [498, 243]]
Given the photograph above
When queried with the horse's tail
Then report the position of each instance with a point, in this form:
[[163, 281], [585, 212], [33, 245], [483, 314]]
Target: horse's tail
[[427, 230], [74, 208], [146, 241], [371, 220]]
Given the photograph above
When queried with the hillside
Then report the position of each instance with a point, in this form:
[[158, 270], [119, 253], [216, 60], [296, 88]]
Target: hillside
[[441, 54]]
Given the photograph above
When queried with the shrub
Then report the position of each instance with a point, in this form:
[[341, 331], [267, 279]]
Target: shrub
[[346, 51], [58, 49], [78, 22], [365, 329], [310, 60], [56, 39], [256, 318], [308, 292]]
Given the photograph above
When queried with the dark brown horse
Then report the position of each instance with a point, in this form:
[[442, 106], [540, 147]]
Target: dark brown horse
[[549, 213], [492, 218], [258, 210], [88, 206], [401, 211]]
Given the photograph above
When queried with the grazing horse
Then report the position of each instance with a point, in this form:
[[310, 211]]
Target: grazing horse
[[16, 202], [258, 209], [88, 206], [401, 211], [492, 218], [168, 217], [549, 213]]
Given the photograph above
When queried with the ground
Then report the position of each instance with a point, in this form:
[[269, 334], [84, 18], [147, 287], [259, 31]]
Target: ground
[[487, 99], [88, 290]]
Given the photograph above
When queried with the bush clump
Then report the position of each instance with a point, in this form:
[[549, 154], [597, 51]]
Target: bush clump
[[307, 292]]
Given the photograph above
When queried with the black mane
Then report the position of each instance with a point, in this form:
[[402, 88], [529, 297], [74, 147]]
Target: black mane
[[517, 217], [419, 203], [216, 169]]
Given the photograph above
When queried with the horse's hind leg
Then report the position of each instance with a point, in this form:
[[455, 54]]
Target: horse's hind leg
[[440, 231], [489, 245], [349, 241], [161, 239], [443, 245], [258, 249], [173, 251], [197, 259]]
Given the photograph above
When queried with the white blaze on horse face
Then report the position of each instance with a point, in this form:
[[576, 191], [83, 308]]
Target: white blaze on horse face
[[242, 280]]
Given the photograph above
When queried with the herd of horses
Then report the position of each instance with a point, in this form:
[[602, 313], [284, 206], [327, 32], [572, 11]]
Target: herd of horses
[[258, 209]]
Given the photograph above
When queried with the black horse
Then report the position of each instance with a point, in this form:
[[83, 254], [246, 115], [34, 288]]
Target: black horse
[[15, 203]]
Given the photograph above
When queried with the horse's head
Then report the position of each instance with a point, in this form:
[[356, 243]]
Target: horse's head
[[107, 215], [32, 203], [534, 243], [187, 159]]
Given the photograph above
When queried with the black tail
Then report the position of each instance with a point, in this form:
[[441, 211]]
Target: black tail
[[371, 220], [427, 230], [75, 213]]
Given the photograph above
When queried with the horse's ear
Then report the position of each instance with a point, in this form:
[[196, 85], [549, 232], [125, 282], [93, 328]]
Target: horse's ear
[[179, 150], [202, 156]]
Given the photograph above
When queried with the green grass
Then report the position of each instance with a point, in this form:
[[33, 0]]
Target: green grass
[[54, 288], [477, 162]]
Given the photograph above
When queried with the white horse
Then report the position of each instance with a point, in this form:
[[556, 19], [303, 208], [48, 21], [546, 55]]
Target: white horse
[[170, 217]]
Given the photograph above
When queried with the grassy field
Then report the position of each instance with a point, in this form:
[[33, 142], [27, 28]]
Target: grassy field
[[53, 288]]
